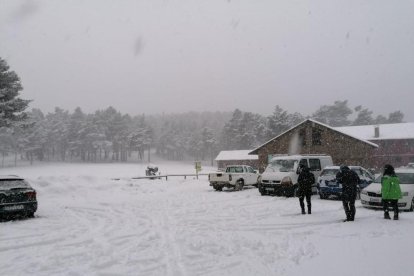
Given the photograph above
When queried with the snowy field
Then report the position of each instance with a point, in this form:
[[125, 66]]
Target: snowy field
[[88, 224]]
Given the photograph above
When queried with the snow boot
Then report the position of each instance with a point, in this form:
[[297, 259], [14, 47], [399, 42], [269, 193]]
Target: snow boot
[[303, 211], [309, 210], [387, 215], [395, 216]]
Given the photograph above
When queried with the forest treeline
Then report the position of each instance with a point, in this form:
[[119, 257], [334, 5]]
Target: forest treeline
[[108, 135]]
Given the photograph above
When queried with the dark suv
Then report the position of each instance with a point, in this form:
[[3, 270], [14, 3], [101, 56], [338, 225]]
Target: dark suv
[[17, 197], [327, 184]]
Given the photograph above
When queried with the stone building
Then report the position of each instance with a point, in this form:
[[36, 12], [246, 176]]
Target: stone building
[[312, 137]]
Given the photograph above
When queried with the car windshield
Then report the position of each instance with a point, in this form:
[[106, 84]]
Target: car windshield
[[333, 172], [405, 178], [329, 172], [13, 184], [281, 166], [358, 171]]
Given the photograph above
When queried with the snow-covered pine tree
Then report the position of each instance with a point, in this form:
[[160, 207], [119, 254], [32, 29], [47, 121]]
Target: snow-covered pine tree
[[11, 106], [364, 116], [334, 115]]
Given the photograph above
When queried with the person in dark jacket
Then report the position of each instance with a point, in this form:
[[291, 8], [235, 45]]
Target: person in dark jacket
[[305, 181], [349, 180], [390, 191]]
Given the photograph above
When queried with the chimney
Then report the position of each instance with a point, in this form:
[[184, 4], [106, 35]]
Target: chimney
[[376, 131]]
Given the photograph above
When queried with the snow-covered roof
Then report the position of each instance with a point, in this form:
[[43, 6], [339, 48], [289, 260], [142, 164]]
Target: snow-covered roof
[[386, 131], [14, 177], [236, 155], [319, 123]]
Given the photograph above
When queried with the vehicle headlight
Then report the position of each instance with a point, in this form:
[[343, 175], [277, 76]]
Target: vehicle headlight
[[364, 192], [404, 194]]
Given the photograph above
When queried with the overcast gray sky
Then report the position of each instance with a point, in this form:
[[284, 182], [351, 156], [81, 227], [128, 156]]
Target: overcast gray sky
[[153, 56]]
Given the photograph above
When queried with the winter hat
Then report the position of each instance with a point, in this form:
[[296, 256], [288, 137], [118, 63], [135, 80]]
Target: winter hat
[[389, 170], [344, 168]]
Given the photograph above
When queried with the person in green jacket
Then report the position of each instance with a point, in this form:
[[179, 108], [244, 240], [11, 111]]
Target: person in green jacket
[[390, 190]]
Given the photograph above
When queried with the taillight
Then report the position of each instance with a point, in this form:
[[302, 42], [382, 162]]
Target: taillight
[[31, 195]]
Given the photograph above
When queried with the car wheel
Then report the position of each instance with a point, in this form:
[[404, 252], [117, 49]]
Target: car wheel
[[239, 185], [295, 192], [30, 214], [217, 188], [323, 196], [412, 205]]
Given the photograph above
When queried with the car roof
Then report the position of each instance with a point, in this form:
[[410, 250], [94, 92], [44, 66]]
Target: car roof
[[404, 170], [9, 177], [337, 167], [298, 156]]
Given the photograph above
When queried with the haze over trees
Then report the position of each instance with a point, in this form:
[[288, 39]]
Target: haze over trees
[[109, 136]]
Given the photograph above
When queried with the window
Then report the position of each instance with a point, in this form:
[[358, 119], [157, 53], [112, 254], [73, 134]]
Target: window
[[302, 137], [250, 170], [235, 169], [315, 164], [303, 162], [316, 137]]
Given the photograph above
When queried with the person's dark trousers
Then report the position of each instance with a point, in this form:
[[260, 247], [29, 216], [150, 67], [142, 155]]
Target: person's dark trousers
[[349, 207], [302, 203], [391, 203]]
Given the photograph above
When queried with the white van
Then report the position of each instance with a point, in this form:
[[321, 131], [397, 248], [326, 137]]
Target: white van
[[281, 175]]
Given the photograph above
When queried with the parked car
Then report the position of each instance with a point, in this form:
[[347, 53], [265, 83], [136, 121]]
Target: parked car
[[328, 186], [235, 176], [281, 175], [17, 197], [371, 195]]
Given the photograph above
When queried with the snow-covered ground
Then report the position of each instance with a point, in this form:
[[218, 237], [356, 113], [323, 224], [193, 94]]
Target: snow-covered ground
[[88, 224]]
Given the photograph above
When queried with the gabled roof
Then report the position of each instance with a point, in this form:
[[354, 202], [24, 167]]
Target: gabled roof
[[386, 131], [10, 177], [316, 122], [236, 155]]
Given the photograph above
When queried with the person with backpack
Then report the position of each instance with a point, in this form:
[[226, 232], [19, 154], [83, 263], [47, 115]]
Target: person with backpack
[[305, 181], [390, 191], [349, 180]]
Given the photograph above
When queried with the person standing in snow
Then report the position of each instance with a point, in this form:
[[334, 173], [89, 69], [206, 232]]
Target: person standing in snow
[[349, 180], [305, 181], [390, 191]]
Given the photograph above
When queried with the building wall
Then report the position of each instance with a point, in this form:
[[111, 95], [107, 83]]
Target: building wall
[[301, 140], [395, 152], [222, 164]]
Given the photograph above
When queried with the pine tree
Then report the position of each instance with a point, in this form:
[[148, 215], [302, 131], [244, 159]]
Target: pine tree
[[334, 115], [395, 117], [278, 122], [364, 116], [11, 106]]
